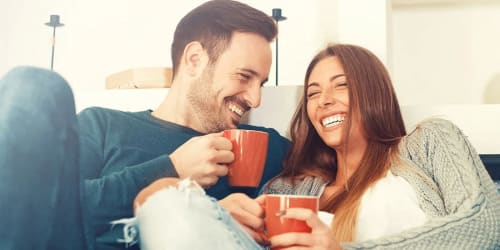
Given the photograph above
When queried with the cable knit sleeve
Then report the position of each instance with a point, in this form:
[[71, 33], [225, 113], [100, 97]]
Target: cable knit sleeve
[[471, 203]]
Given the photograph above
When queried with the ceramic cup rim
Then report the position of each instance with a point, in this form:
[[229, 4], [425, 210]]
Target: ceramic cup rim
[[294, 196], [246, 130]]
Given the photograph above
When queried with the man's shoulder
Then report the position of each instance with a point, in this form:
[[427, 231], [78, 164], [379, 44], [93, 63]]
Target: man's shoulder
[[98, 118], [100, 113]]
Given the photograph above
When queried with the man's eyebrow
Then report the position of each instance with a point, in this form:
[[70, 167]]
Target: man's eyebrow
[[254, 73], [249, 71]]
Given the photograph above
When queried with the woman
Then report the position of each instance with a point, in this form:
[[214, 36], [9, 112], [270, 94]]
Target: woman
[[387, 188]]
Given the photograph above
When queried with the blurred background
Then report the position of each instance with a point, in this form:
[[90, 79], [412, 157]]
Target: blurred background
[[438, 51], [443, 55]]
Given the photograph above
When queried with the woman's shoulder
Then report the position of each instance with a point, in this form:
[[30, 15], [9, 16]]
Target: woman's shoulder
[[433, 140], [278, 185], [435, 125], [433, 128], [305, 185]]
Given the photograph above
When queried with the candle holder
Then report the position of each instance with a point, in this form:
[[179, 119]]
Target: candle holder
[[277, 17], [54, 23]]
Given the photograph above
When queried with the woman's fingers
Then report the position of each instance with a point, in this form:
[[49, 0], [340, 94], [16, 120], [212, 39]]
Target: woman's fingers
[[290, 239], [321, 236], [307, 215]]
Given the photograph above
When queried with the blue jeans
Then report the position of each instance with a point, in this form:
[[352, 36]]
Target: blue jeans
[[185, 218], [39, 181]]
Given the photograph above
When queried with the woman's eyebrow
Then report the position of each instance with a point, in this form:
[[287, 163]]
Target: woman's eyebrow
[[335, 77], [331, 80], [312, 84]]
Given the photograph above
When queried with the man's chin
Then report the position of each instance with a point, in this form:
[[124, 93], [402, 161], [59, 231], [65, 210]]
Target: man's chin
[[233, 124]]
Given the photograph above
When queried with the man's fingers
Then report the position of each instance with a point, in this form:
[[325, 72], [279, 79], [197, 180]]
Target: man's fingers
[[220, 142], [221, 170], [216, 134], [207, 181], [223, 156]]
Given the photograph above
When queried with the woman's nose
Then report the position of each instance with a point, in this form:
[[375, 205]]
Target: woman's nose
[[326, 98]]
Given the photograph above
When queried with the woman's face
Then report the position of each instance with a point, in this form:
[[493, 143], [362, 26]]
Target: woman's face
[[328, 103]]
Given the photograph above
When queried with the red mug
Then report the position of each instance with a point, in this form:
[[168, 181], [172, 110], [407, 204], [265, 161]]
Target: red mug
[[250, 152], [275, 205]]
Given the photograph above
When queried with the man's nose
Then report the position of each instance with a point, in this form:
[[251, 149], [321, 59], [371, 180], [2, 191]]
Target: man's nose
[[253, 95]]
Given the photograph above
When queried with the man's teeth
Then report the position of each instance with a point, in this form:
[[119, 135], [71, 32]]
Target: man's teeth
[[235, 109], [332, 120]]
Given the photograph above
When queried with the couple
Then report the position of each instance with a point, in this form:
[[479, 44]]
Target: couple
[[426, 189], [349, 147]]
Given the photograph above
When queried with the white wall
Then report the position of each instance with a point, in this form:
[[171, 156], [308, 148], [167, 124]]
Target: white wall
[[438, 54], [3, 38], [103, 37], [309, 27], [446, 54], [99, 37], [366, 23]]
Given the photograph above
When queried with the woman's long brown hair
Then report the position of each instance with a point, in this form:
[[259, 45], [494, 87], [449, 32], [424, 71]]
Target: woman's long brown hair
[[372, 95]]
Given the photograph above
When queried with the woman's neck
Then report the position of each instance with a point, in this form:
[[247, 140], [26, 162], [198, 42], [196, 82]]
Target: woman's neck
[[348, 162]]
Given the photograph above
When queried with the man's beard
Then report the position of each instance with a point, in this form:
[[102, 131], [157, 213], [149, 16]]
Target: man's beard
[[204, 104]]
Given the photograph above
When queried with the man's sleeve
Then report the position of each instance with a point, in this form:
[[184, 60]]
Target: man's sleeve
[[109, 197]]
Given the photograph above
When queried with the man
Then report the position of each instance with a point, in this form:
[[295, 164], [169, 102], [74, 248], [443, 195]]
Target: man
[[221, 57]]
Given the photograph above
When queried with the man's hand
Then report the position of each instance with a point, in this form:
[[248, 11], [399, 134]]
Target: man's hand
[[248, 212], [203, 158]]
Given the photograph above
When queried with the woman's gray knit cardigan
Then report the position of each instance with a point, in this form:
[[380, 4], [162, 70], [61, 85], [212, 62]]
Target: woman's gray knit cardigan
[[460, 198]]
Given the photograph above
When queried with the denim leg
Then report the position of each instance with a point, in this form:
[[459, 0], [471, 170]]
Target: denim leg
[[39, 181], [182, 219]]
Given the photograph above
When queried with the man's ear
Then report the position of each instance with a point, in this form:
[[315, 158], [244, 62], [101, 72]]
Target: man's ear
[[195, 58]]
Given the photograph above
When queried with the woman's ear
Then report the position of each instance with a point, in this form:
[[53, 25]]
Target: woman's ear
[[195, 59]]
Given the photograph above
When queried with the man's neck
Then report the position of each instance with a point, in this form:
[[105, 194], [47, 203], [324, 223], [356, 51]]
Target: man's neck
[[175, 107]]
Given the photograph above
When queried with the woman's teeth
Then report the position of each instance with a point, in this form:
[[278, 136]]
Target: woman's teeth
[[332, 120], [235, 109]]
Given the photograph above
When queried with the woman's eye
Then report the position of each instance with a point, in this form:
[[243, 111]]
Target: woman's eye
[[342, 84], [312, 94]]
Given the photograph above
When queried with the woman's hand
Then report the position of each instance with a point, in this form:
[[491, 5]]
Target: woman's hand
[[248, 212], [321, 236]]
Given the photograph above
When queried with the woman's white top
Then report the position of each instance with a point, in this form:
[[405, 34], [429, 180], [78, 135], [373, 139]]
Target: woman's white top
[[389, 207]]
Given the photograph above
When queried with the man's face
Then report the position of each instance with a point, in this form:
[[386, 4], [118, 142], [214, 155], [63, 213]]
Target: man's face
[[231, 86]]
